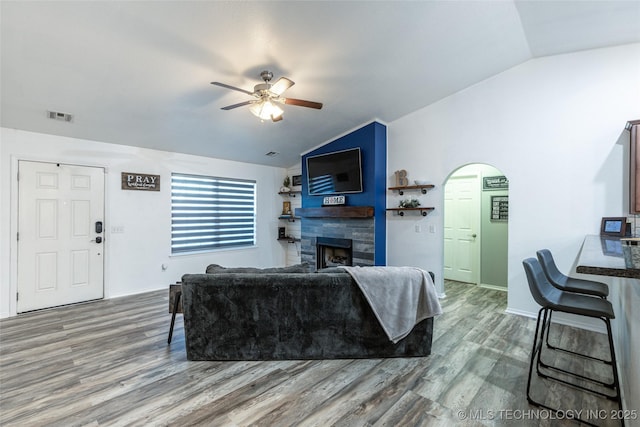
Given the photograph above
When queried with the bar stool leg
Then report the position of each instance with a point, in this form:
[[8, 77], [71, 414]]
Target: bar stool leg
[[536, 348], [173, 315], [542, 324], [555, 347], [611, 385], [614, 366]]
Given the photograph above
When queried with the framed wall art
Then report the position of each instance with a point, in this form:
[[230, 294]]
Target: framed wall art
[[499, 208]]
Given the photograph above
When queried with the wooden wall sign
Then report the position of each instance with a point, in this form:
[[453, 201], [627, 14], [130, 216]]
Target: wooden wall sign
[[140, 181], [495, 183]]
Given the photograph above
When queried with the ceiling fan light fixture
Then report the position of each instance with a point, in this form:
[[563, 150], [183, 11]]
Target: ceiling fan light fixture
[[268, 97], [266, 110]]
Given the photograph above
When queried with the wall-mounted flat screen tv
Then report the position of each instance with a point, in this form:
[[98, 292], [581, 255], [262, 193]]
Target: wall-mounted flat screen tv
[[335, 173]]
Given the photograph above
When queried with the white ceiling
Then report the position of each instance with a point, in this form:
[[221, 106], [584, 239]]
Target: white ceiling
[[138, 72]]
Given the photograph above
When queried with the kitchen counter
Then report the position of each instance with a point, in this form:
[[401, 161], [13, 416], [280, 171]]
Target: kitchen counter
[[609, 256], [617, 265]]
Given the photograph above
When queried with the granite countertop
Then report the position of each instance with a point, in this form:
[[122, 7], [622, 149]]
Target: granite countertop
[[609, 256]]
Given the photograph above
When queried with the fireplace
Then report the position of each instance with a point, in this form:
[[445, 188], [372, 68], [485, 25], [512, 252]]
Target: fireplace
[[359, 231], [331, 252]]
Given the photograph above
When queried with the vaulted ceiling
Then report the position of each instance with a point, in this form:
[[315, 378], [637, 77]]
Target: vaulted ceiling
[[139, 72]]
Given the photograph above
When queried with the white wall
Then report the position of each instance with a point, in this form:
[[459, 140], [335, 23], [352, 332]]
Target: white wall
[[552, 125], [133, 259]]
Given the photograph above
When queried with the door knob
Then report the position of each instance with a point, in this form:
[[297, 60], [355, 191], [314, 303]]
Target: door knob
[[98, 239], [474, 235]]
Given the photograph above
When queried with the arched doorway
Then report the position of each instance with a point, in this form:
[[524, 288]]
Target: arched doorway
[[476, 212]]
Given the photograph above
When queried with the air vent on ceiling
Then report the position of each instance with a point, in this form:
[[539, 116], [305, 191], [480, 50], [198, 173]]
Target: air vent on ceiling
[[272, 153], [63, 117]]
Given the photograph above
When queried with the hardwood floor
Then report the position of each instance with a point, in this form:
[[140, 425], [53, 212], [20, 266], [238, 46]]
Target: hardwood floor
[[108, 363]]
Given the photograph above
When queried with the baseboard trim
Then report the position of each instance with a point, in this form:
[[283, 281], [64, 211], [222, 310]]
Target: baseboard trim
[[579, 322], [493, 287]]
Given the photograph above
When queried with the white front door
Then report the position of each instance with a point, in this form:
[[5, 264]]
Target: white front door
[[60, 252], [461, 229]]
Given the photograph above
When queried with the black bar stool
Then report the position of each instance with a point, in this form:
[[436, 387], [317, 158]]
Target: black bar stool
[[553, 299], [569, 284]]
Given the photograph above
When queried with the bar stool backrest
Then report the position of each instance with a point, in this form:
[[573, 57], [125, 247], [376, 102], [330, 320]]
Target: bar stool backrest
[[543, 292], [549, 267]]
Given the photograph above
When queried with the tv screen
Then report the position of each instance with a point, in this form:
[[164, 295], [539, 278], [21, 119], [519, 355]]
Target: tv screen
[[335, 173]]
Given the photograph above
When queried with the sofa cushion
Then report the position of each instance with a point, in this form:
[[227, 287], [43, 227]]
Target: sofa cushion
[[331, 270], [297, 268]]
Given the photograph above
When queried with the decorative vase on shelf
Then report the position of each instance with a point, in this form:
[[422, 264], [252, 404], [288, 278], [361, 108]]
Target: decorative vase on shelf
[[285, 185], [409, 203]]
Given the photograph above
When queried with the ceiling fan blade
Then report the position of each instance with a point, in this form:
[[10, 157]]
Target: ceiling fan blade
[[231, 107], [303, 103], [231, 87], [281, 85], [276, 118]]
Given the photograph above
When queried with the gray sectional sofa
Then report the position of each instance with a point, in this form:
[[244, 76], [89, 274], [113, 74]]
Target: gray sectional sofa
[[252, 314]]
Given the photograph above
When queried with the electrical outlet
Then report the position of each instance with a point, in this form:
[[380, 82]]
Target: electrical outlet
[[418, 228], [432, 229]]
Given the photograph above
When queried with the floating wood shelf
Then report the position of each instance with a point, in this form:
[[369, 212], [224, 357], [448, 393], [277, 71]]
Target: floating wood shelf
[[291, 193], [289, 239], [423, 188], [289, 218], [400, 211], [336, 212]]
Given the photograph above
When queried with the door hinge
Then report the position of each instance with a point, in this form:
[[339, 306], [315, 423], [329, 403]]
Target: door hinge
[[18, 176], [18, 235], [17, 296]]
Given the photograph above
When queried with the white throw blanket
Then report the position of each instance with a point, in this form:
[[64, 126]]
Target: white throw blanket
[[400, 297]]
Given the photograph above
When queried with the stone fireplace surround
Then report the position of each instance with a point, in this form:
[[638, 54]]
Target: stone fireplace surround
[[359, 230]]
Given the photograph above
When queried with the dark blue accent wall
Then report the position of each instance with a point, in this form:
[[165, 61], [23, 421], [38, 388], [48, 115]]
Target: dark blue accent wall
[[372, 140]]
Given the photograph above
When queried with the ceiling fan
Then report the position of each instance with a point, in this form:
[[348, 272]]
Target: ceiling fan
[[268, 96]]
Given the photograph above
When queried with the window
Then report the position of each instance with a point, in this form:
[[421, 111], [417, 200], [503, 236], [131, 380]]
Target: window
[[211, 213]]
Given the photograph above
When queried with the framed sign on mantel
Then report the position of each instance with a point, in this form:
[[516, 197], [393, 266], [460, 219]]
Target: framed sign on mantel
[[333, 201]]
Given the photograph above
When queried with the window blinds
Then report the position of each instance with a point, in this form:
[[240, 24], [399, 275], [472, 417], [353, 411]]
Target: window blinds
[[211, 213]]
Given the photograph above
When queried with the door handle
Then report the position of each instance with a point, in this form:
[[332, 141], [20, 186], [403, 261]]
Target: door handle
[[97, 239], [474, 235]]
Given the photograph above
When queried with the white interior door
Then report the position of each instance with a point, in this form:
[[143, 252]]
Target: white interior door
[[461, 229], [60, 252]]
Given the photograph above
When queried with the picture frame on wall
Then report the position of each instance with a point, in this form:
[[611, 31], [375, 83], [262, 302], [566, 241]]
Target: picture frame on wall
[[613, 226], [499, 208], [296, 182]]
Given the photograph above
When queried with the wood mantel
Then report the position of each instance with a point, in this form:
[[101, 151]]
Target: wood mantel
[[336, 212]]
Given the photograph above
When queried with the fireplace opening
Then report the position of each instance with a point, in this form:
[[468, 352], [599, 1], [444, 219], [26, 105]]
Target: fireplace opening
[[332, 252]]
